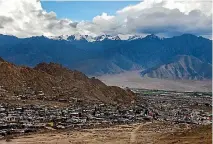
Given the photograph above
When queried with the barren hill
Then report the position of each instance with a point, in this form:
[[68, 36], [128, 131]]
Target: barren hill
[[181, 67], [54, 82]]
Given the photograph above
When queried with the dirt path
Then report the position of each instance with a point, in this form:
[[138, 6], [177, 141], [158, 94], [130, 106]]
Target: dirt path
[[144, 133], [134, 133]]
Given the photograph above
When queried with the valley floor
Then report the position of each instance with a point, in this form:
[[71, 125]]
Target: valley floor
[[132, 79], [143, 133]]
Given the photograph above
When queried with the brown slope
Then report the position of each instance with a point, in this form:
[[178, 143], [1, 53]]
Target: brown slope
[[59, 83]]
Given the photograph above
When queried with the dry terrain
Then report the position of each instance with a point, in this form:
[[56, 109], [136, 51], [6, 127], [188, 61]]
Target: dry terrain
[[53, 82], [134, 80], [144, 133]]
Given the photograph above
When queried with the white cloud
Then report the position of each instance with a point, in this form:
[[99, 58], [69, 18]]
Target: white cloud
[[169, 22], [164, 17], [169, 17], [25, 18], [185, 6]]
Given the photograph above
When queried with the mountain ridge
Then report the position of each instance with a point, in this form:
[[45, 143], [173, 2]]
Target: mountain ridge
[[108, 56], [181, 67]]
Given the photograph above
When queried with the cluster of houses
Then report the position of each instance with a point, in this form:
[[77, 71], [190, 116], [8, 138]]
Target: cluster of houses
[[30, 118], [150, 106], [179, 107]]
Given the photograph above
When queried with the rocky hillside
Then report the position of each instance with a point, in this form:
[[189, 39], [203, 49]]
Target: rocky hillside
[[54, 82], [181, 67]]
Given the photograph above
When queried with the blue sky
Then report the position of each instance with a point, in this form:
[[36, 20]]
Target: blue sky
[[84, 10]]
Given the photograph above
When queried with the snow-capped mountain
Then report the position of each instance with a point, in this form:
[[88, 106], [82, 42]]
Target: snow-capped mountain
[[96, 38], [106, 37], [134, 37], [73, 37]]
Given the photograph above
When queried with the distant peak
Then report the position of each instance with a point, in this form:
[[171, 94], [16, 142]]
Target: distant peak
[[135, 37], [107, 37], [90, 38], [152, 36], [189, 36]]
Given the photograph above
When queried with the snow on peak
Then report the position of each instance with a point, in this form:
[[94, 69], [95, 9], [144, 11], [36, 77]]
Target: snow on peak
[[102, 37]]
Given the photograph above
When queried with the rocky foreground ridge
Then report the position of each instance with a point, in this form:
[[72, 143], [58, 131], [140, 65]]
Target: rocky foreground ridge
[[53, 82]]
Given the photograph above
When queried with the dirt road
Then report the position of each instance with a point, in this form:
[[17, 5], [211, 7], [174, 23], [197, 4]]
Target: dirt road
[[134, 133], [145, 133]]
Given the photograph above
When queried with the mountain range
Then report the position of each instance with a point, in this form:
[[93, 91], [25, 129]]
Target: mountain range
[[180, 57]]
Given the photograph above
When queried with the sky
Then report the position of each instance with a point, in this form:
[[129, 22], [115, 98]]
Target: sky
[[26, 18], [84, 10]]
